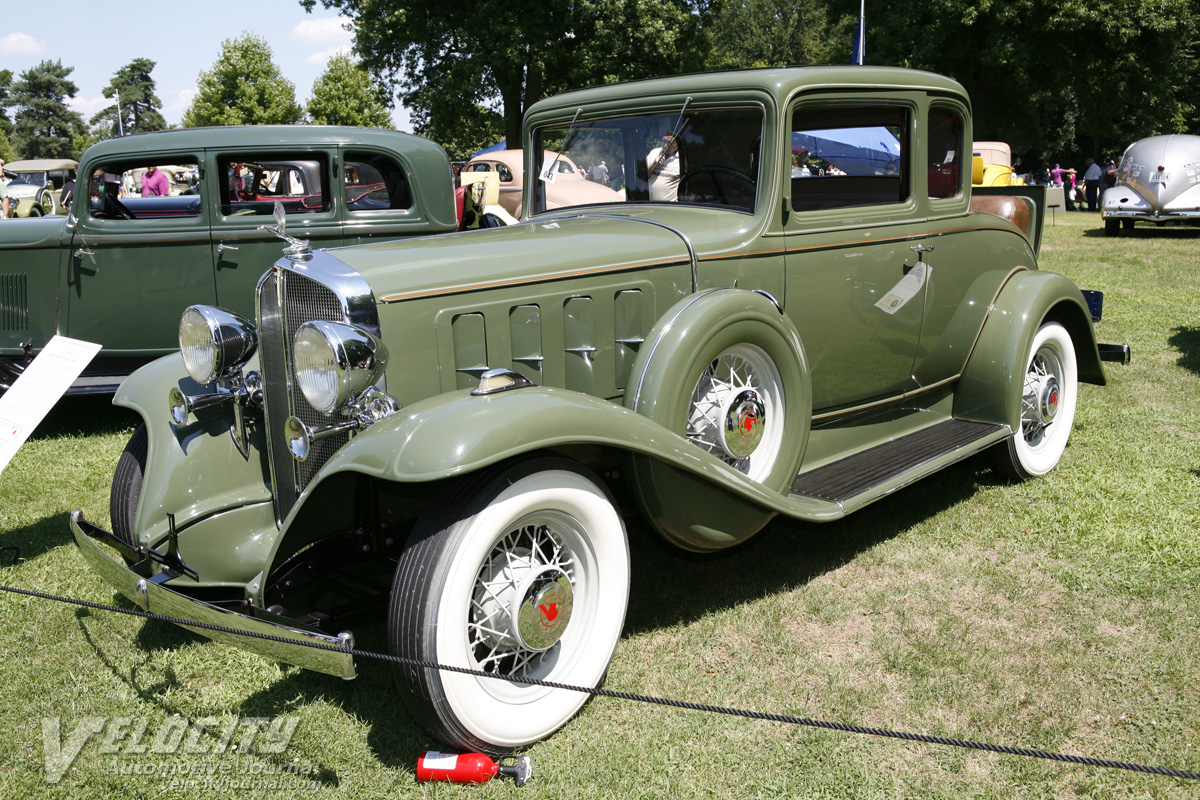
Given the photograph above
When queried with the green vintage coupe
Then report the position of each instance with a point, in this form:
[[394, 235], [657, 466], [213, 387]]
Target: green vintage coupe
[[435, 430], [124, 262]]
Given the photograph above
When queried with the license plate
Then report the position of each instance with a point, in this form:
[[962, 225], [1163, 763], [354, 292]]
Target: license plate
[[1160, 177]]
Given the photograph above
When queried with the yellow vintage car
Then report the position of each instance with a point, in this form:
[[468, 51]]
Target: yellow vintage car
[[992, 165]]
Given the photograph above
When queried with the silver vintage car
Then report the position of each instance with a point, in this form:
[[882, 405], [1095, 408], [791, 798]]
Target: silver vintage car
[[1158, 181]]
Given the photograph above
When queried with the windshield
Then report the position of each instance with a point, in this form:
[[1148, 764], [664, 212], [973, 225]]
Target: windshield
[[706, 157], [29, 178]]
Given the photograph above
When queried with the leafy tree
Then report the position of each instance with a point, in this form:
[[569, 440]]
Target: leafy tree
[[44, 126], [1069, 79], [6, 125], [137, 104], [450, 56], [771, 33], [346, 95], [244, 87], [7, 153]]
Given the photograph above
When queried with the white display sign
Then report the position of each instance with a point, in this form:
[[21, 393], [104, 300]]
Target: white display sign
[[42, 384], [899, 295]]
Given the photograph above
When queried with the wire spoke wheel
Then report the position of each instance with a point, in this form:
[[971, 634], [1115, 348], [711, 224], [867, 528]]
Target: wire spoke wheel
[[736, 410], [1048, 395], [525, 574]]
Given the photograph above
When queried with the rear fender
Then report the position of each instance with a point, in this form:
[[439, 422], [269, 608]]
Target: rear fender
[[991, 384]]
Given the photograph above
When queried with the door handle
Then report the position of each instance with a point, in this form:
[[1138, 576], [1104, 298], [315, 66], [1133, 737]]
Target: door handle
[[922, 248], [81, 252], [222, 247]]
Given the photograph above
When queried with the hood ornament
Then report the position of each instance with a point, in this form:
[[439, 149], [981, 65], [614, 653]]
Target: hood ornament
[[298, 249]]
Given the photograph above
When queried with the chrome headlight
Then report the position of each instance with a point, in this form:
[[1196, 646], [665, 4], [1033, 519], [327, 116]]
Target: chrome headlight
[[215, 343], [335, 363]]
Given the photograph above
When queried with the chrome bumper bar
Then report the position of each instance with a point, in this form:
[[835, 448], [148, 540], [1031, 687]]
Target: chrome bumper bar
[[154, 595]]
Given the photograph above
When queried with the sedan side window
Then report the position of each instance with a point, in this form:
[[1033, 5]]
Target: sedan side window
[[849, 156], [374, 182], [945, 153], [140, 190], [251, 185]]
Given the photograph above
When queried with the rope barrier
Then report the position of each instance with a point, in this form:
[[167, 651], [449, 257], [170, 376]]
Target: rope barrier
[[640, 698]]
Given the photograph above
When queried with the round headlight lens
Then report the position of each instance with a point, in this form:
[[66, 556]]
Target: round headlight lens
[[215, 344], [335, 363], [317, 370], [196, 344]]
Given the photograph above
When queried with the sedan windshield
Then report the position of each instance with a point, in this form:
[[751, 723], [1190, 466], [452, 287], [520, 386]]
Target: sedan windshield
[[705, 157]]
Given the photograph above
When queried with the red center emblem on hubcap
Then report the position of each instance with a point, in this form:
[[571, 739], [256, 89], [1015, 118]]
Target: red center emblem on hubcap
[[748, 423], [549, 611]]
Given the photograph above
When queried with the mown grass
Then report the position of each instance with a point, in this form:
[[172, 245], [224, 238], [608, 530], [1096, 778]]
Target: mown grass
[[1059, 614]]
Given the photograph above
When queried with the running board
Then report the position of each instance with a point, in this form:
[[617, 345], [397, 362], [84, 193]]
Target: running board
[[876, 472]]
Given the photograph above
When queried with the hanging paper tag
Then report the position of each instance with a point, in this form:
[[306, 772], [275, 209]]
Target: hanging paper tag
[[549, 171], [899, 295]]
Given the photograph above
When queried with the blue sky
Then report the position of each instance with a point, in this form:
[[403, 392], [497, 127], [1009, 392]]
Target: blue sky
[[97, 39]]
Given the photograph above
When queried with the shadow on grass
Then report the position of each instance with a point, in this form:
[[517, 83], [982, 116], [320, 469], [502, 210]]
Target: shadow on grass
[[1187, 341], [1146, 231], [85, 415], [159, 692], [38, 538], [668, 586]]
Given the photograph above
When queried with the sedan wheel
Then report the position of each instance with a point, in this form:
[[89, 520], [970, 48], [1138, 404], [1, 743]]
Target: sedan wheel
[[525, 576], [1048, 399]]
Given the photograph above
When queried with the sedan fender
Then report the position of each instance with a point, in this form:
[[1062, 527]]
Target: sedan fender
[[999, 357]]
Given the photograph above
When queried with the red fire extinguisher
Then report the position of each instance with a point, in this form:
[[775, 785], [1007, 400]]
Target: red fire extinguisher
[[469, 768]]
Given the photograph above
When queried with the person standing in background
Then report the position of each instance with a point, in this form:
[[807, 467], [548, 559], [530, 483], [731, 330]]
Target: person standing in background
[[154, 183], [1091, 183]]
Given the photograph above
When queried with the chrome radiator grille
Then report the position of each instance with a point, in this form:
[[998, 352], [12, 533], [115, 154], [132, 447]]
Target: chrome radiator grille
[[287, 300]]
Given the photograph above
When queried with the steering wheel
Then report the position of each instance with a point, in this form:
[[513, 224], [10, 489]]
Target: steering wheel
[[713, 172]]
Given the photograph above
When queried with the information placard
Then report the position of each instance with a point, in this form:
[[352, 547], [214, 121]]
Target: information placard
[[30, 398]]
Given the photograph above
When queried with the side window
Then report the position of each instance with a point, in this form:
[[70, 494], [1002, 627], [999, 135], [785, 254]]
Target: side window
[[847, 156], [251, 185], [945, 153], [375, 182], [144, 190]]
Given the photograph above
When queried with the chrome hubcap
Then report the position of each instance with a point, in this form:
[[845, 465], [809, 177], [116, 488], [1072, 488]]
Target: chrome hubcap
[[745, 417], [541, 618]]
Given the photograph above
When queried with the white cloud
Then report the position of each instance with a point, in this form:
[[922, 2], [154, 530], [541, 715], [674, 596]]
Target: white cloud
[[89, 106], [17, 45], [322, 57], [329, 30], [183, 101]]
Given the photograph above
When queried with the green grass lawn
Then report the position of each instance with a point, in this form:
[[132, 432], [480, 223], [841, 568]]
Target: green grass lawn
[[1059, 614]]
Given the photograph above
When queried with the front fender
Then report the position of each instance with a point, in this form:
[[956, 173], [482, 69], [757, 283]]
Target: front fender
[[991, 384], [192, 471], [456, 433]]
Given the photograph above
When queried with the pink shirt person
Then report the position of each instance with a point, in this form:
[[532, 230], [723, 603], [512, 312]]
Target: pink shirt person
[[154, 184]]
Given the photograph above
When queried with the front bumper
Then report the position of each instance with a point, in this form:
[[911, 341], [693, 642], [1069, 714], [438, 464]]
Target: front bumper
[[152, 593]]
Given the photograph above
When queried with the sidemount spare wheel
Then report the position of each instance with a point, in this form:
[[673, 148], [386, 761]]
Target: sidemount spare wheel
[[725, 370], [520, 573]]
